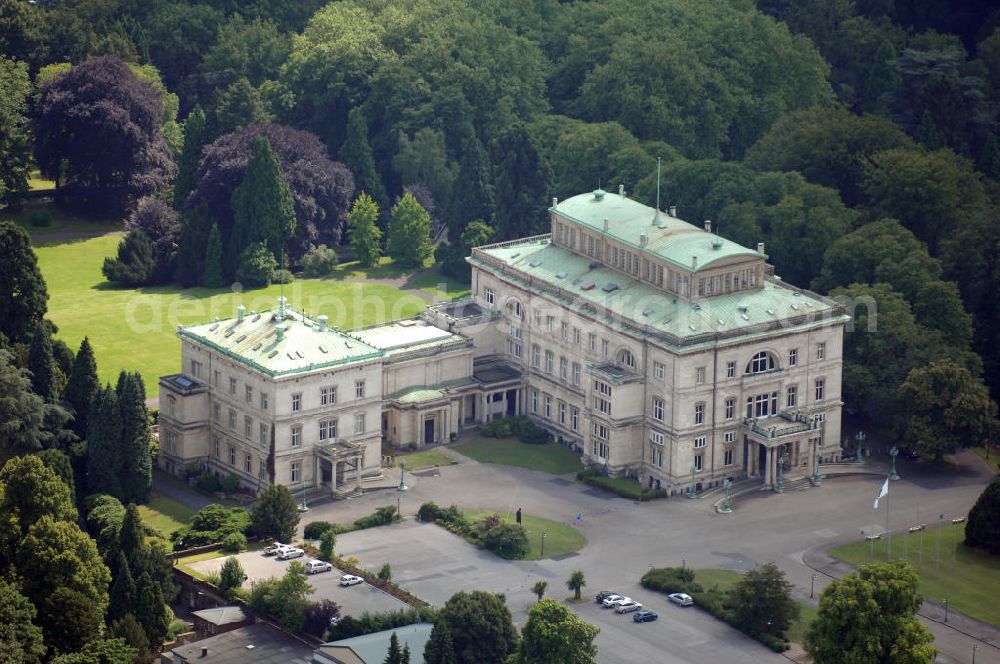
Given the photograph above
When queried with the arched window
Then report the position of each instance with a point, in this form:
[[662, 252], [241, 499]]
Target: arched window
[[761, 362], [514, 309], [626, 359]]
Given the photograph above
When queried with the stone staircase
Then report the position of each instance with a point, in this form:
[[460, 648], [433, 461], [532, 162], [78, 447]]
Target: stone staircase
[[794, 483]]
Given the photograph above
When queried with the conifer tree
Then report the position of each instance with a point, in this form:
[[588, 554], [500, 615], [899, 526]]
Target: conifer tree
[[41, 364], [364, 232], [214, 277], [82, 386], [409, 233], [151, 611], [523, 182], [132, 541], [395, 654], [263, 209], [195, 137], [473, 195], [137, 461], [196, 225], [23, 295], [135, 262], [123, 591], [22, 412], [440, 649], [104, 434], [989, 159], [356, 154]]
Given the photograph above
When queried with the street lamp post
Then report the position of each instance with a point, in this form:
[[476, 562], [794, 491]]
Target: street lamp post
[[860, 437], [893, 453], [945, 600], [812, 586], [402, 474], [975, 648], [542, 553], [781, 475], [726, 504]]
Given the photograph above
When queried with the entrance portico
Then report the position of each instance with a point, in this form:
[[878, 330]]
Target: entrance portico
[[340, 466], [788, 439]]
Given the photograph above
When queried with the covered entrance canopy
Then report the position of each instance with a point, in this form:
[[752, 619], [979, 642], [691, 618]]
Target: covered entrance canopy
[[340, 465], [788, 438]]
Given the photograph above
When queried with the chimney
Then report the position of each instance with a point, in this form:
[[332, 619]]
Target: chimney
[[555, 201], [322, 323], [760, 247], [708, 225], [621, 190], [240, 310], [672, 211], [694, 263], [279, 330], [605, 224], [643, 239], [204, 651]]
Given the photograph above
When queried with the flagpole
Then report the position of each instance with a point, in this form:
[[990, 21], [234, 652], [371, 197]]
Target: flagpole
[[888, 533]]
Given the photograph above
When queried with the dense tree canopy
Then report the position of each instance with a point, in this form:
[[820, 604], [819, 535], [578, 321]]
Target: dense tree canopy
[[983, 527], [23, 296], [15, 135], [555, 635], [480, 627]]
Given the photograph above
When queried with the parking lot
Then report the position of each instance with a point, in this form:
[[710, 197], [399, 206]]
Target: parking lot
[[352, 601]]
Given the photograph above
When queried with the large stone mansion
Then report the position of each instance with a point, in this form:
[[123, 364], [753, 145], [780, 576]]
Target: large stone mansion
[[656, 348]]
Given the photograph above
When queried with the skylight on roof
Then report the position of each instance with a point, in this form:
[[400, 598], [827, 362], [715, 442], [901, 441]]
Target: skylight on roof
[[183, 381], [240, 338], [256, 318], [770, 312], [214, 328], [647, 311], [323, 349], [610, 287], [535, 262], [587, 285], [272, 354], [290, 356], [299, 353], [560, 275], [230, 332], [257, 346]]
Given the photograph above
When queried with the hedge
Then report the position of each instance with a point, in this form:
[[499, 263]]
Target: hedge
[[507, 540], [622, 487], [382, 516], [520, 426]]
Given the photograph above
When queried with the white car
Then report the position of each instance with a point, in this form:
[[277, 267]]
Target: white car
[[290, 552], [680, 599], [350, 580], [275, 549], [317, 566], [628, 606], [611, 600]]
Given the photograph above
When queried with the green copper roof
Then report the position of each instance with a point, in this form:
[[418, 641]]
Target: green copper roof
[[254, 341], [546, 268], [668, 238]]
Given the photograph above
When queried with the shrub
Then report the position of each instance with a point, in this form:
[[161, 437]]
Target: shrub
[[208, 483], [192, 470], [385, 574], [671, 580], [369, 623], [327, 541], [230, 483], [622, 487], [315, 529], [497, 428], [231, 576], [282, 277], [319, 262], [41, 218], [520, 426], [256, 266], [382, 516], [429, 512], [490, 522], [234, 542], [507, 540], [318, 616]]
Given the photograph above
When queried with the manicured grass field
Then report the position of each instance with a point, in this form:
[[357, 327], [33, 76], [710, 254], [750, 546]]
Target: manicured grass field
[[425, 459], [439, 286], [136, 328], [548, 458], [165, 515], [37, 183], [62, 222], [184, 563], [797, 631], [968, 579], [559, 537]]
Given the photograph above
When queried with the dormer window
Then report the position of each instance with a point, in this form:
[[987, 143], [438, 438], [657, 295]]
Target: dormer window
[[761, 363]]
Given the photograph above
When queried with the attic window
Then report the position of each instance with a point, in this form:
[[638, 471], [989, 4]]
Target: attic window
[[795, 306], [770, 312], [697, 307], [214, 328], [535, 263], [230, 332], [348, 344], [721, 322], [744, 317], [272, 354], [610, 287], [322, 349], [240, 338], [515, 254], [587, 285], [257, 346], [290, 356], [299, 353], [256, 318], [692, 327], [560, 275], [647, 311]]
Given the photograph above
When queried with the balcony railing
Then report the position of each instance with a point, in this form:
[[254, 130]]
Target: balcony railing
[[798, 423]]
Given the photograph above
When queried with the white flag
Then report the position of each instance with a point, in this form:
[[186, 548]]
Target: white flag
[[883, 492]]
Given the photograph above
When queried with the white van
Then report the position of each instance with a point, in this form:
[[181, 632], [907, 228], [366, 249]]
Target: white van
[[290, 552]]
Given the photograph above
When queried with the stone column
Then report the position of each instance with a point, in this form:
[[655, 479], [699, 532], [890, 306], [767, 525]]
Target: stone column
[[769, 475]]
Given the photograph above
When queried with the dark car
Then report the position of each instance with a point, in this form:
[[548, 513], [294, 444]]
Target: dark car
[[643, 615], [603, 595]]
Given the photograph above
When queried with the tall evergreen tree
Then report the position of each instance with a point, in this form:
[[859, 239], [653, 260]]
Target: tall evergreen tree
[[356, 154], [22, 412], [195, 137], [58, 462], [132, 541], [41, 364], [409, 233], [137, 461], [123, 591], [263, 209], [989, 158], [214, 277], [104, 434], [364, 231], [135, 262], [22, 289], [473, 195], [440, 649], [237, 106], [151, 611], [881, 78], [523, 182], [82, 386], [395, 654], [196, 226]]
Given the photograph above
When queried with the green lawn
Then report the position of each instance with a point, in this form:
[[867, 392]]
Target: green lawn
[[548, 458], [968, 579], [62, 222], [184, 562], [723, 578], [136, 328], [439, 286], [797, 631], [425, 459], [37, 183], [559, 538], [165, 515]]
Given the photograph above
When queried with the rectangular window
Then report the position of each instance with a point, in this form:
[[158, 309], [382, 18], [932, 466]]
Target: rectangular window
[[217, 413], [232, 455], [658, 409], [359, 389], [518, 311], [820, 389], [656, 437], [248, 394], [699, 413], [592, 342], [730, 437], [549, 361], [562, 413], [232, 420], [248, 427], [248, 464], [820, 350], [603, 388], [296, 402], [793, 357], [232, 386], [296, 471], [263, 401], [564, 331], [576, 373], [574, 419], [730, 370], [548, 407], [262, 433], [215, 447], [576, 336], [604, 347], [536, 356], [490, 298], [216, 377], [656, 456], [821, 417], [728, 457], [730, 408], [699, 375], [792, 396], [659, 371], [328, 429], [698, 462], [297, 435], [549, 322], [600, 431], [196, 368], [700, 441], [328, 395], [534, 401], [563, 368], [602, 406], [359, 424]]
